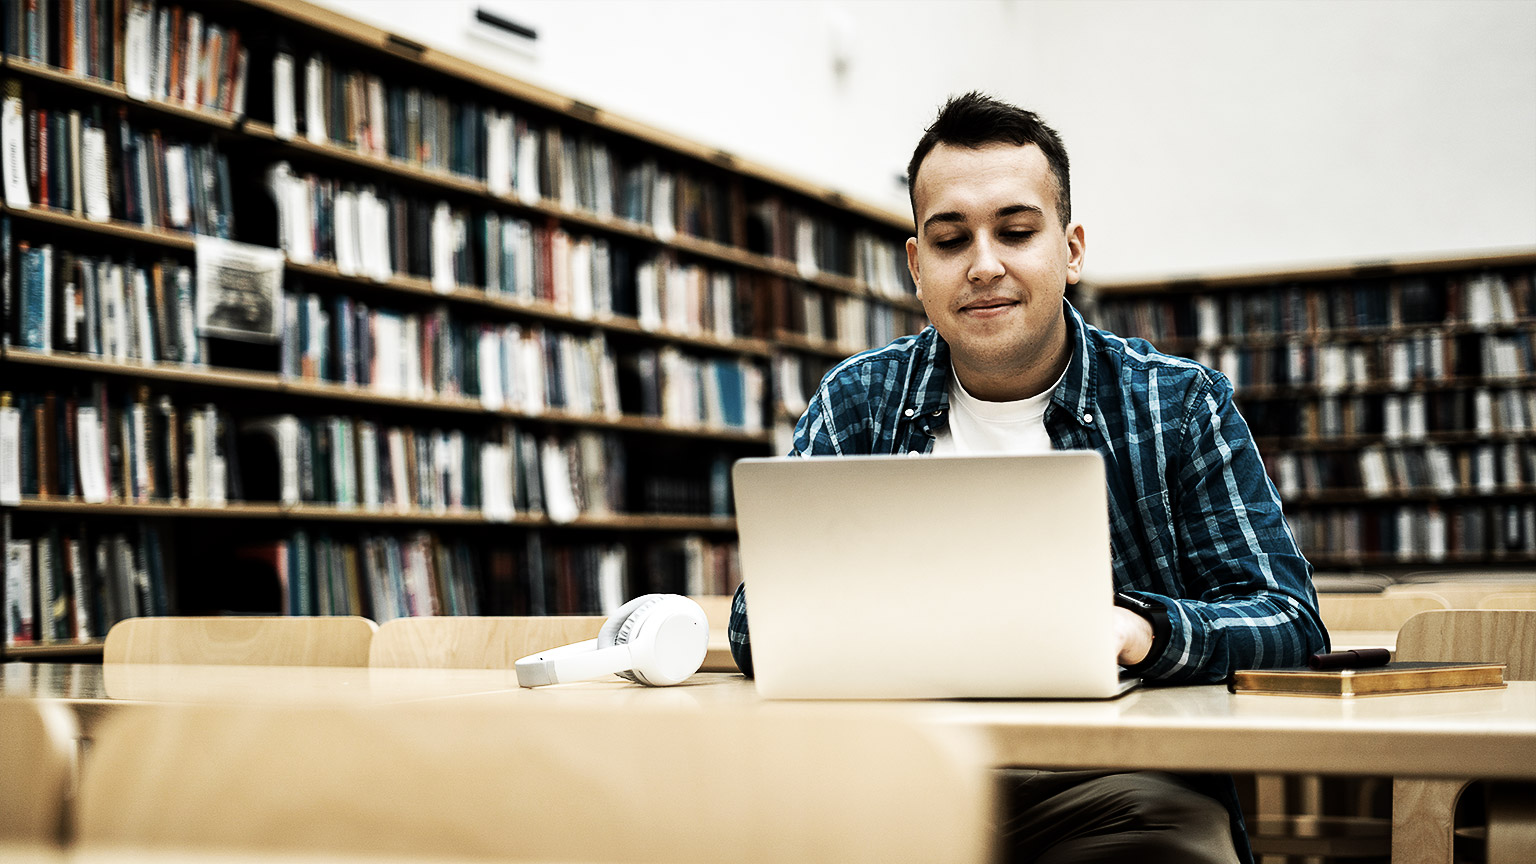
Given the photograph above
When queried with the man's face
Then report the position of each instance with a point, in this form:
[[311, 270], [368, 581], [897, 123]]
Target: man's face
[[991, 261]]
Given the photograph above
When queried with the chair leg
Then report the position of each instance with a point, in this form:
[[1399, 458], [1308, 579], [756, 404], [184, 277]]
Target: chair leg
[[1511, 823], [1423, 816]]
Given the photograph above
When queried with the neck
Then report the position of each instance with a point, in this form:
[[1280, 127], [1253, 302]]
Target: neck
[[1038, 373]]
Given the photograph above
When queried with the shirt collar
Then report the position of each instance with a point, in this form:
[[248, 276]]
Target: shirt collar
[[929, 389]]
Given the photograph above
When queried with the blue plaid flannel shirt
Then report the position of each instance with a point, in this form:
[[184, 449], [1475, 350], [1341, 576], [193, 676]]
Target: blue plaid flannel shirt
[[1195, 523]]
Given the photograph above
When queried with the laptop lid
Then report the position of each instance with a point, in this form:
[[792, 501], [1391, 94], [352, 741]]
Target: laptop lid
[[935, 577]]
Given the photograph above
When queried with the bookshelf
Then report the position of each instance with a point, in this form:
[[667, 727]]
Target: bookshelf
[[1394, 402], [519, 340]]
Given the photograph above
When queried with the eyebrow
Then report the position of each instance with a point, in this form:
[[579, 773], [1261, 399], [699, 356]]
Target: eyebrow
[[1002, 213]]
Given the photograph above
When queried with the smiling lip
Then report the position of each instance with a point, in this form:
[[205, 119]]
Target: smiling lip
[[990, 306]]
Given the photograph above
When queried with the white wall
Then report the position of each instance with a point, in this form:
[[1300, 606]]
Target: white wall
[[1205, 136]]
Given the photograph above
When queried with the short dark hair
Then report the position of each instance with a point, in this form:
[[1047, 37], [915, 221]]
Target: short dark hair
[[975, 120]]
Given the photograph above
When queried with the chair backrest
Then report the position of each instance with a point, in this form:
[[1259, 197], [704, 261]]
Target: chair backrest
[[241, 641], [1509, 600], [467, 642], [717, 610], [37, 763], [1467, 590], [1374, 611], [1485, 635], [537, 784]]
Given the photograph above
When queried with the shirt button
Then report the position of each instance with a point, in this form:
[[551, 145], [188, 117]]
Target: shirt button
[[910, 412], [938, 412], [914, 452], [1087, 418]]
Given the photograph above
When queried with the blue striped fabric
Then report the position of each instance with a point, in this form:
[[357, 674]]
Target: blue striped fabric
[[1196, 525]]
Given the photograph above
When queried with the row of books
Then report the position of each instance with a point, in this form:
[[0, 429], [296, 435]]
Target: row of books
[[1448, 470], [96, 446], [358, 464], [156, 51], [1396, 416], [523, 368], [512, 366], [1434, 532], [1400, 362], [377, 576], [379, 233], [846, 322], [68, 584], [101, 307], [1486, 298], [99, 446], [99, 165]]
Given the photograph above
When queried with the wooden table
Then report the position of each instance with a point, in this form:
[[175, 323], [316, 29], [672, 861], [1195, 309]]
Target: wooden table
[[1488, 734]]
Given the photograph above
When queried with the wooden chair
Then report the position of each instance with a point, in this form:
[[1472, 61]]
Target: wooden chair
[[536, 784], [241, 641], [1423, 810], [1509, 600], [717, 610], [37, 764], [1381, 611], [1289, 818], [467, 642], [1467, 590]]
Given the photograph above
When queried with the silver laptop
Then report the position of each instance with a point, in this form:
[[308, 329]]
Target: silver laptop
[[889, 577]]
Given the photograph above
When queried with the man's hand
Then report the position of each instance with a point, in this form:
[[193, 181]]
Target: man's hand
[[1134, 635]]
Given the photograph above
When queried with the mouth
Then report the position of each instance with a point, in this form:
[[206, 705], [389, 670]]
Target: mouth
[[988, 306]]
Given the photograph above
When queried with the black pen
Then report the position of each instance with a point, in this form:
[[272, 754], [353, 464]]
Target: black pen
[[1359, 658]]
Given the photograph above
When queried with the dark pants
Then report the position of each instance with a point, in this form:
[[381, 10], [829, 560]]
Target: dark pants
[[1053, 817]]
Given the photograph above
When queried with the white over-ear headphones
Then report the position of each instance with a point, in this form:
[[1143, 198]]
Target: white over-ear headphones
[[656, 639]]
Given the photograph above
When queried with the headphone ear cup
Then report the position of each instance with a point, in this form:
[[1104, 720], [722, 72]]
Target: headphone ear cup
[[621, 627], [668, 639]]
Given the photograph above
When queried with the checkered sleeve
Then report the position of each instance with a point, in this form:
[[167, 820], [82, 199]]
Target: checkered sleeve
[[741, 642], [1248, 600]]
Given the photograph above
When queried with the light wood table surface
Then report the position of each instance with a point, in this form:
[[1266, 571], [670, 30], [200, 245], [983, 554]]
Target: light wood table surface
[[1485, 733], [95, 690], [1489, 733]]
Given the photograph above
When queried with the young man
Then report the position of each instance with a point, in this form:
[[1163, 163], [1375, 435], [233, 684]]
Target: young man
[[1210, 578]]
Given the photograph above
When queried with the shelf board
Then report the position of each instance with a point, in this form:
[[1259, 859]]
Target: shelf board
[[1285, 391], [309, 512], [819, 347], [49, 650], [1355, 442], [1522, 256], [179, 240], [118, 92], [1391, 333], [74, 506], [1404, 496], [270, 383], [1392, 559]]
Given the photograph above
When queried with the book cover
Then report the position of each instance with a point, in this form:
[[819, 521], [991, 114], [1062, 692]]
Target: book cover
[[1394, 678]]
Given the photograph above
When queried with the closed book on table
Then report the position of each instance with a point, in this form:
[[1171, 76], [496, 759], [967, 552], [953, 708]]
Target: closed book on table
[[1377, 681]]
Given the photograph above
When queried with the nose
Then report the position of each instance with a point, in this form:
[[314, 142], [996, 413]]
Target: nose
[[986, 267]]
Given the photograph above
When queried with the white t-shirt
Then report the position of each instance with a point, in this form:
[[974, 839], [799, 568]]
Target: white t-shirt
[[978, 426]]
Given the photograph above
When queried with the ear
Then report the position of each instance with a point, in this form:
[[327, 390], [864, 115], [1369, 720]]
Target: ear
[[912, 265], [1076, 246]]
